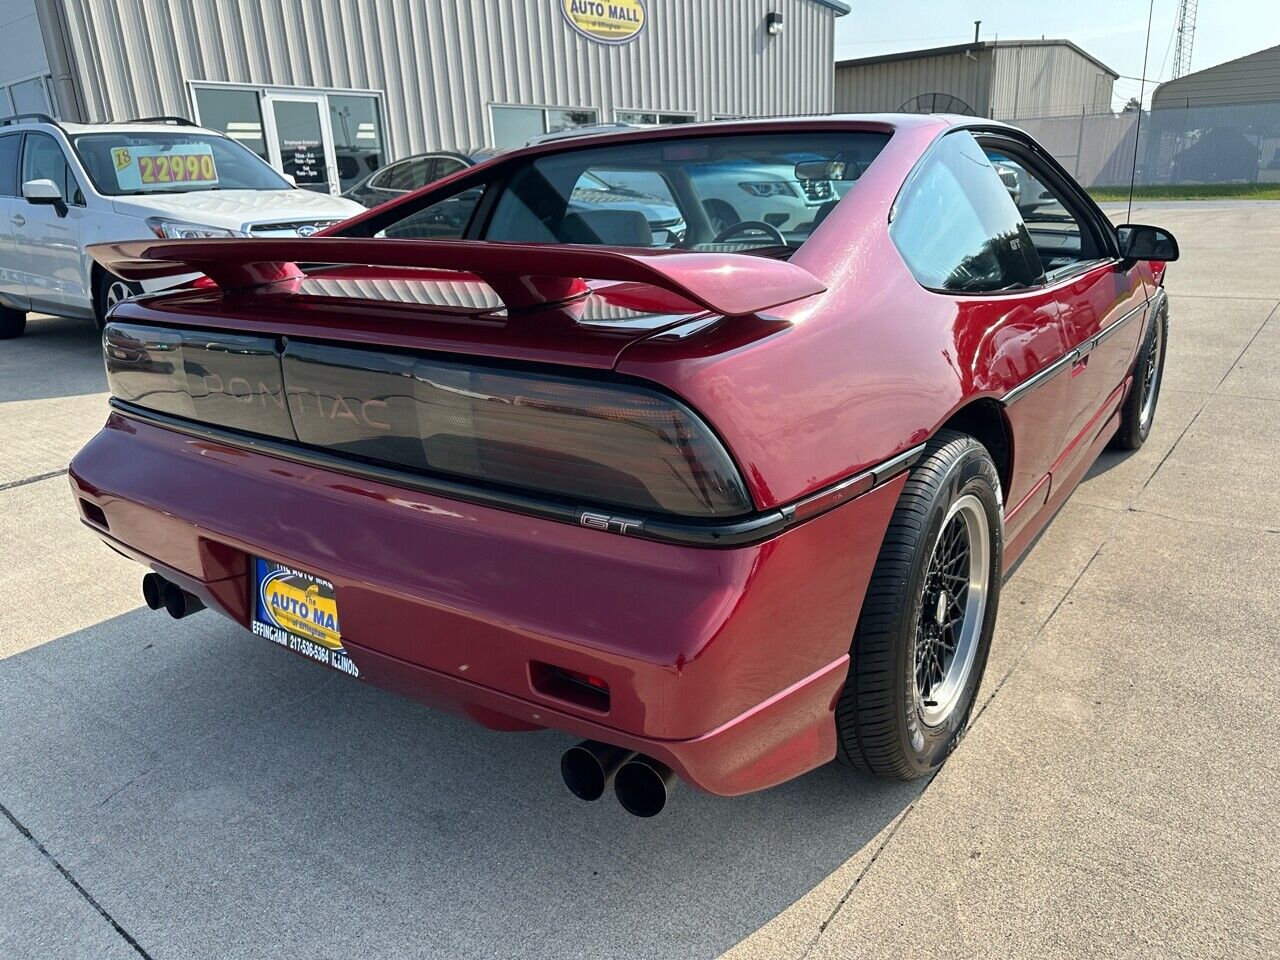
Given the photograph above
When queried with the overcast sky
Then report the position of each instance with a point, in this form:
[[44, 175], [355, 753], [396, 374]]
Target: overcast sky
[[1111, 30]]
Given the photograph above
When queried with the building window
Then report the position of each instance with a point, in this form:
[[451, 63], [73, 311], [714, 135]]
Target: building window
[[326, 140], [357, 136], [650, 118], [27, 96], [237, 113], [516, 126]]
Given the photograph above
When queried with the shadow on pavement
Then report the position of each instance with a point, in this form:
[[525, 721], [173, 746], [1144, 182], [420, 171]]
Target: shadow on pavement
[[56, 357], [222, 797]]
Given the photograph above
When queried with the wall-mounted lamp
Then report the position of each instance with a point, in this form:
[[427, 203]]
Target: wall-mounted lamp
[[773, 22]]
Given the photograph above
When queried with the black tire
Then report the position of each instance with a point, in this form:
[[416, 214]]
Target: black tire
[[1136, 417], [12, 323], [103, 295], [881, 715]]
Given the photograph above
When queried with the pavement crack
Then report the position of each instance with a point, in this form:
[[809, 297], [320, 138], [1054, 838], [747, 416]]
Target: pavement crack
[[36, 479], [893, 830], [1213, 393], [66, 874]]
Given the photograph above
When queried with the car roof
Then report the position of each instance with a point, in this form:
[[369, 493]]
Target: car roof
[[73, 128]]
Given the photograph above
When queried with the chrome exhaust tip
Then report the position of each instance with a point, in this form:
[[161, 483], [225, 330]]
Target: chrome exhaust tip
[[153, 590], [643, 785], [179, 603], [589, 768]]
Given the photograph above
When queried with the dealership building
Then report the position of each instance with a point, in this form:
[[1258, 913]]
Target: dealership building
[[362, 82]]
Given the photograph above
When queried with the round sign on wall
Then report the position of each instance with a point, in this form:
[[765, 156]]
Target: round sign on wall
[[606, 21]]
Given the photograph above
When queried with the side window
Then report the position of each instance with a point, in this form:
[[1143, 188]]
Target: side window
[[447, 166], [957, 227], [410, 174], [9, 165], [1056, 231], [388, 178], [43, 159], [444, 220]]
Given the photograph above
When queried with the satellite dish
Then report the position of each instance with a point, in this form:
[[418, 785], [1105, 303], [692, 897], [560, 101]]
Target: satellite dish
[[937, 103]]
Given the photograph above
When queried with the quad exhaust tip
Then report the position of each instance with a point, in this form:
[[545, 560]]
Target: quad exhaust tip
[[641, 784], [589, 768], [160, 593], [153, 590]]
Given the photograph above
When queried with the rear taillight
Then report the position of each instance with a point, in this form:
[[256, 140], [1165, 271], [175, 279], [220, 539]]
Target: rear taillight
[[588, 442], [609, 443]]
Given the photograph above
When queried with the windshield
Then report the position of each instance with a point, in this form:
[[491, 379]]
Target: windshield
[[763, 193], [133, 163]]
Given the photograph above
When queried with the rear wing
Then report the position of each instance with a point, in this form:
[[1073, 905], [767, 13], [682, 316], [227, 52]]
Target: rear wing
[[524, 275]]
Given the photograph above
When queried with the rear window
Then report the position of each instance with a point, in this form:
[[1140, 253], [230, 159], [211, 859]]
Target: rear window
[[132, 163], [761, 193]]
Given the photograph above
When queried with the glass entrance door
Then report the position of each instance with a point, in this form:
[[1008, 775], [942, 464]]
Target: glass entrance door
[[300, 140]]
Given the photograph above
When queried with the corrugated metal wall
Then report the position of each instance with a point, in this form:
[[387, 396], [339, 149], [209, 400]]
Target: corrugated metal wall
[[442, 62], [886, 86], [1247, 80], [1046, 80]]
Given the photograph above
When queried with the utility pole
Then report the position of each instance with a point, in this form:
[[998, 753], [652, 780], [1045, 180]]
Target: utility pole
[[1186, 29]]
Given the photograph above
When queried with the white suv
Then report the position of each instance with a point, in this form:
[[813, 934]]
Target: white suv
[[64, 186]]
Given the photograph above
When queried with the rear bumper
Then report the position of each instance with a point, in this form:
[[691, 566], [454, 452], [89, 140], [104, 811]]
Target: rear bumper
[[724, 663]]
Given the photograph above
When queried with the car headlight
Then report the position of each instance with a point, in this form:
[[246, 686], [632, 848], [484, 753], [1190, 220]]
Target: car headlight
[[181, 230], [768, 188]]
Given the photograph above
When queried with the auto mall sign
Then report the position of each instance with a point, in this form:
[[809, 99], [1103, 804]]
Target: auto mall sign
[[606, 21]]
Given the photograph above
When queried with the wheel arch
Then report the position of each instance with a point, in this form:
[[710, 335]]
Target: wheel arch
[[986, 420]]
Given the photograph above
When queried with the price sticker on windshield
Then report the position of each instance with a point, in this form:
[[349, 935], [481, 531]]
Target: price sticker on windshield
[[154, 167]]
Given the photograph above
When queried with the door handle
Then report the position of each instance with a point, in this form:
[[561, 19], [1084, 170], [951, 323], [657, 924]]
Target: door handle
[[18, 220], [1078, 367]]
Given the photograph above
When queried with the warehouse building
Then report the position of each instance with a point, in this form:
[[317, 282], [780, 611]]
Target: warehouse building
[[1217, 125], [1251, 79], [1001, 79], [366, 82]]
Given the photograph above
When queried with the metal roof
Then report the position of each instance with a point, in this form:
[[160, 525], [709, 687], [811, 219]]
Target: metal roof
[[962, 47], [840, 8]]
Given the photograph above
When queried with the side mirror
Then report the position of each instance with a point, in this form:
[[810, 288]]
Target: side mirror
[[293, 181], [1141, 242], [43, 192]]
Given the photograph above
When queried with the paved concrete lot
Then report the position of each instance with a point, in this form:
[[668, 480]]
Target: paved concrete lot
[[186, 790]]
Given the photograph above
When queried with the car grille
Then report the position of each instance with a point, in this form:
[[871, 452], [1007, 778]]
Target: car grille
[[287, 228], [817, 189]]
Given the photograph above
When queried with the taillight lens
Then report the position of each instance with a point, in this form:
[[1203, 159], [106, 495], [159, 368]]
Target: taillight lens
[[613, 444], [593, 443]]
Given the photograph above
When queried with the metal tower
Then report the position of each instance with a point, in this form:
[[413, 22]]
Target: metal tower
[[1186, 30]]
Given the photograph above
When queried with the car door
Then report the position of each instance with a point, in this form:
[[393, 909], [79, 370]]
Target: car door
[[1101, 300], [13, 287], [47, 236]]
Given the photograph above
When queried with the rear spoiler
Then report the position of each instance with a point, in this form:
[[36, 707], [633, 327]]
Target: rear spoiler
[[523, 274]]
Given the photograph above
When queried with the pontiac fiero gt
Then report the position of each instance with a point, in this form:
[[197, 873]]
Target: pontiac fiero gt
[[727, 500]]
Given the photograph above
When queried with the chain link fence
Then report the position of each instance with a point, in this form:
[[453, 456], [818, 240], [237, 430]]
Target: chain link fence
[[1222, 143]]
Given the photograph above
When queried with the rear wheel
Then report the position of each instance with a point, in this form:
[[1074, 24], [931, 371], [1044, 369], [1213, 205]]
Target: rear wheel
[[110, 291], [922, 639], [12, 323], [1139, 410]]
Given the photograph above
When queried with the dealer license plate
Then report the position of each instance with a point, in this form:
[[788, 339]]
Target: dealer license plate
[[299, 610]]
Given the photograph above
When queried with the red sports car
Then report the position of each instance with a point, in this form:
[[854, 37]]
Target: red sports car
[[729, 499]]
